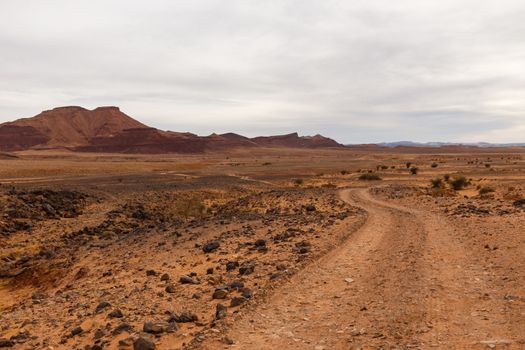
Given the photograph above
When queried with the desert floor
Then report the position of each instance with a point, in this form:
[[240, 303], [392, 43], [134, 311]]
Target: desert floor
[[263, 249]]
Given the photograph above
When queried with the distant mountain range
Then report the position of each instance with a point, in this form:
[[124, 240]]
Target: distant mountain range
[[446, 144], [107, 129]]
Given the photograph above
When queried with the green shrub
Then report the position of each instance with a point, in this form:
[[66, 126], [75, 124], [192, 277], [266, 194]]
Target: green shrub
[[446, 177], [369, 177], [414, 170], [436, 183], [298, 182], [459, 183], [486, 190]]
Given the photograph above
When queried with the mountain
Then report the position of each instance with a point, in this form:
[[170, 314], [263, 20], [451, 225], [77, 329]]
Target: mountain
[[64, 127], [295, 141], [448, 144], [107, 129]]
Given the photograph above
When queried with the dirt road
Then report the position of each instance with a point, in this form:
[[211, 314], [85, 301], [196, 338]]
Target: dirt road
[[401, 281]]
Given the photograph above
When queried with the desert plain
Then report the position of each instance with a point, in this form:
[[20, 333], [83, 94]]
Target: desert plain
[[266, 248]]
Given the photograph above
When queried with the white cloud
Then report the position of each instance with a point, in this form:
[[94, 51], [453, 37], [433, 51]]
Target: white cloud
[[354, 70]]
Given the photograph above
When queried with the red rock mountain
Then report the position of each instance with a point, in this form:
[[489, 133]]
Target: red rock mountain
[[107, 129]]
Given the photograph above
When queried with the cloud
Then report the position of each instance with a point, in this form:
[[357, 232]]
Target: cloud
[[357, 71]]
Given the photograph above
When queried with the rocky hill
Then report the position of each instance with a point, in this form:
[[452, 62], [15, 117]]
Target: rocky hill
[[107, 129]]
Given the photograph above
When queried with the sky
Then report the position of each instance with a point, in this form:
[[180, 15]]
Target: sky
[[357, 71]]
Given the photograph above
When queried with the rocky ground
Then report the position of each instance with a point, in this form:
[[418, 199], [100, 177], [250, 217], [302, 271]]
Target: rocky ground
[[85, 270], [283, 250]]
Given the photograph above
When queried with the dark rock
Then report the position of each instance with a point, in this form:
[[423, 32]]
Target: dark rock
[[228, 341], [99, 333], [221, 311], [123, 327], [519, 203], [303, 247], [209, 271], [140, 213], [143, 343], [187, 280], [280, 267], [101, 306], [236, 301], [310, 208], [38, 296], [260, 243], [165, 277], [211, 246], [170, 288], [151, 273], [247, 293], [49, 209], [116, 314], [155, 327], [246, 269], [220, 294], [183, 317], [231, 265], [76, 331], [235, 285], [6, 343]]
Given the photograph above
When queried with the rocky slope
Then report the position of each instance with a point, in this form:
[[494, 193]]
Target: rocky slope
[[107, 129]]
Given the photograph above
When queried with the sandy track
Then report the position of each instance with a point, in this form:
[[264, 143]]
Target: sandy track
[[401, 281]]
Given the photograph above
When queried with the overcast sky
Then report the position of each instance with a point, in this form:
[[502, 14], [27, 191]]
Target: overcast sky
[[357, 71]]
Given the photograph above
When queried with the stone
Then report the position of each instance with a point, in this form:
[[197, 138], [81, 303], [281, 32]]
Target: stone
[[221, 311], [183, 317], [165, 277], [236, 285], [220, 294], [187, 280], [228, 341], [155, 327], [143, 343], [246, 270], [231, 265], [123, 327], [260, 243], [236, 301], [303, 247], [6, 343], [170, 288], [246, 293], [99, 333], [310, 208], [76, 331], [211, 246], [101, 306], [116, 314]]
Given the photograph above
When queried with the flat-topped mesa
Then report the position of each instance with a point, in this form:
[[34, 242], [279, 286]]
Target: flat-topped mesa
[[65, 127], [107, 109]]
